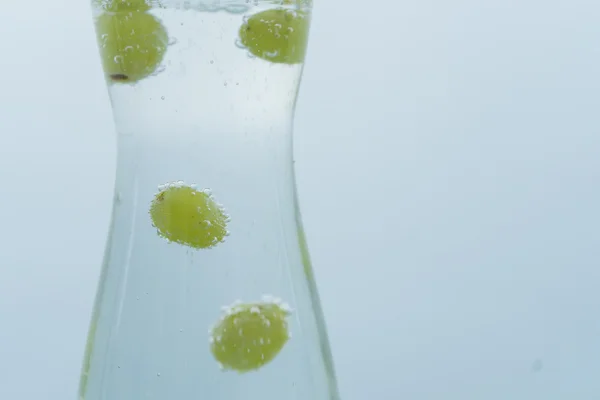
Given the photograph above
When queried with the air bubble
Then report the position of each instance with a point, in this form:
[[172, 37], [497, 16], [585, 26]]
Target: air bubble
[[159, 70], [238, 43], [236, 8], [291, 14], [268, 298]]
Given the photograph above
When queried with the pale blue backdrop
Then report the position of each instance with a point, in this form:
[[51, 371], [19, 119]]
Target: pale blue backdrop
[[448, 157]]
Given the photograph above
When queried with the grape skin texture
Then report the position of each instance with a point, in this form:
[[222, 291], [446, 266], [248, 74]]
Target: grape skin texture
[[249, 336], [189, 217], [278, 35], [132, 45]]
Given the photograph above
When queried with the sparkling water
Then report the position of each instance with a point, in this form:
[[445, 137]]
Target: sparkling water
[[214, 116]]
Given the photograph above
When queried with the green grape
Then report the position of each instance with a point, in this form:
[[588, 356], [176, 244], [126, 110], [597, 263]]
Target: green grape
[[123, 5], [250, 335], [188, 216], [132, 45], [277, 35]]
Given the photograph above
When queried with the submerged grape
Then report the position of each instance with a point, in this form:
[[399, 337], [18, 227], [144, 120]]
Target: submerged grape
[[132, 45], [277, 35], [188, 216], [250, 335]]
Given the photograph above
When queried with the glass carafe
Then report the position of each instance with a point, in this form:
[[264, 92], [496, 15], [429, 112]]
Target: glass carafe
[[206, 290]]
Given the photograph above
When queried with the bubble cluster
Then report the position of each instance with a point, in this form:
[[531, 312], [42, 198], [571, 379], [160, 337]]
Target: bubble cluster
[[276, 35], [123, 5], [250, 335], [191, 217], [132, 45]]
